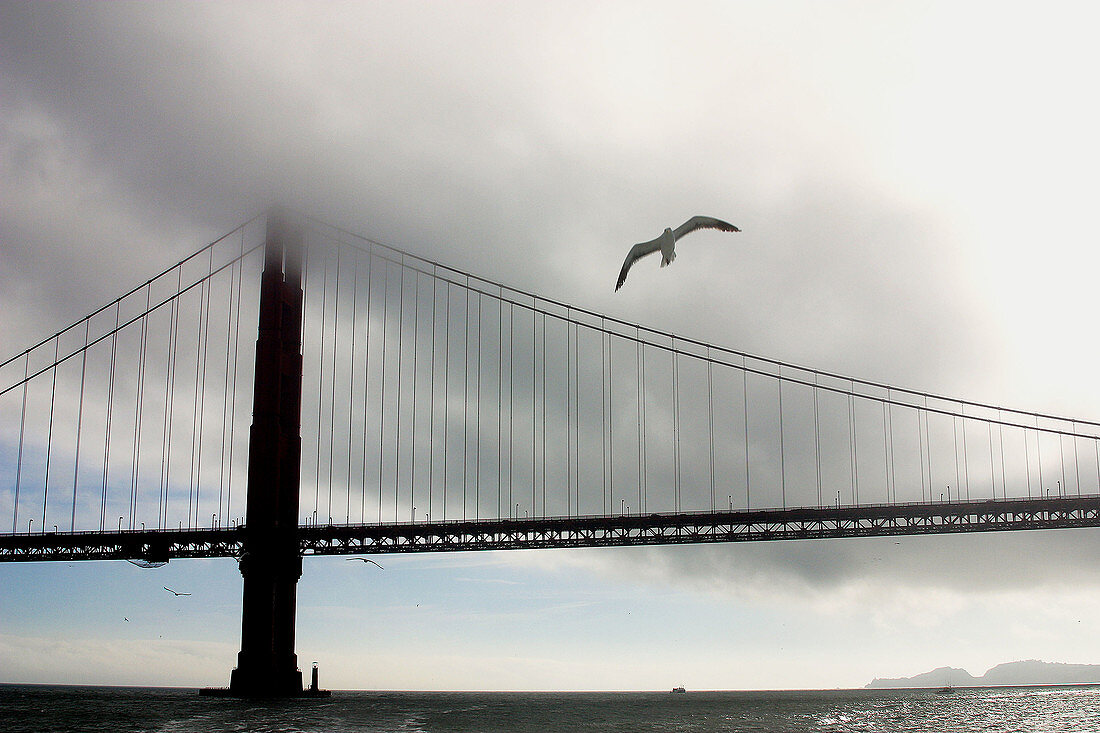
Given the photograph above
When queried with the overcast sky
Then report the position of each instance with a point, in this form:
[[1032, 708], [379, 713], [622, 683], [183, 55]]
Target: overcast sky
[[914, 186]]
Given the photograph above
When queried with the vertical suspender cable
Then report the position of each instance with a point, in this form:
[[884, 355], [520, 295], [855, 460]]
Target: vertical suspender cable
[[225, 393], [477, 416], [194, 408], [1077, 465], [49, 433], [710, 423], [955, 437], [610, 425], [568, 419], [79, 421], [745, 404], [303, 335], [382, 397], [577, 412], [233, 386], [139, 407], [643, 490], [543, 319], [920, 446], [400, 374], [534, 455], [332, 380], [1001, 450], [351, 378], [1027, 465], [500, 397], [1076, 458], [431, 411], [169, 400], [676, 428], [202, 395], [465, 386], [19, 455], [1039, 455], [928, 442], [603, 415], [1062, 461], [366, 385], [817, 443], [855, 450], [782, 452], [511, 400], [412, 438], [320, 386], [992, 469], [966, 460], [893, 463], [852, 442], [446, 392], [107, 428], [886, 449]]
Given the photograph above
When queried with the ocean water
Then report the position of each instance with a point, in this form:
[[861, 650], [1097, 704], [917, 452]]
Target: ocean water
[[120, 710]]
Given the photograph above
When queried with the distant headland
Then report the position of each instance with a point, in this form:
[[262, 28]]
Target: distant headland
[[1028, 672]]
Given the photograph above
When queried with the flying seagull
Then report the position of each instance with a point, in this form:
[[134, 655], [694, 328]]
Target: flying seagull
[[666, 243], [177, 593], [365, 559]]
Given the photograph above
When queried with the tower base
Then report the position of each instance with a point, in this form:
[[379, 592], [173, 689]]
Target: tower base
[[253, 683], [228, 692]]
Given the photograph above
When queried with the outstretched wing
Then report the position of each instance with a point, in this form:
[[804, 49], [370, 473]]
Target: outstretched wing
[[365, 559], [637, 252], [703, 222]]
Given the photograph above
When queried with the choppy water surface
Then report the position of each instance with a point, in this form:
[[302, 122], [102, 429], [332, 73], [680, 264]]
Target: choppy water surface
[[58, 709]]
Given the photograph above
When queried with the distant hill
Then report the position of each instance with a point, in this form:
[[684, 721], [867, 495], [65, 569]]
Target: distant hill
[[1029, 672]]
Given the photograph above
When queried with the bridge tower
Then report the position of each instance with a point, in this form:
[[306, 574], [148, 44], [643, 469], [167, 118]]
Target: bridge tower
[[271, 563]]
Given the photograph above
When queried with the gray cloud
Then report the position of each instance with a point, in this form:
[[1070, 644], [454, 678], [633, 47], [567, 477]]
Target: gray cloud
[[1048, 561], [523, 145]]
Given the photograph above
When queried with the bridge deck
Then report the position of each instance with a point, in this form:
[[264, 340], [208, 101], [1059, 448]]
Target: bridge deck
[[586, 531]]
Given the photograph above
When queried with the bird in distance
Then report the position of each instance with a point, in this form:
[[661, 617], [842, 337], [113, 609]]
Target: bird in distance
[[366, 559]]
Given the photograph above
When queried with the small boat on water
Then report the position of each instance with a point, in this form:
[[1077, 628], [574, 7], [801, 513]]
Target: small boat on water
[[946, 690], [678, 690]]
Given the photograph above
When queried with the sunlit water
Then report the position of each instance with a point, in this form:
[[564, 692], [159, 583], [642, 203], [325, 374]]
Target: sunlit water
[[1033, 709]]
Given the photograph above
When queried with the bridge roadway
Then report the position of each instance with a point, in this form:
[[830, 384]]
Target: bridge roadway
[[874, 520]]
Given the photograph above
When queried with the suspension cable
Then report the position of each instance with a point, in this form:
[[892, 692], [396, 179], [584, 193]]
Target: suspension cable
[[126, 295], [666, 335]]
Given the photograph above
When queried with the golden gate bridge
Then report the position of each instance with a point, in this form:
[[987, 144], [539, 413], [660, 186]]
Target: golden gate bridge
[[387, 403]]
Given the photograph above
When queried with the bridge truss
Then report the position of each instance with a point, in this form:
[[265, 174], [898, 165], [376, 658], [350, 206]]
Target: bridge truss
[[881, 520]]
